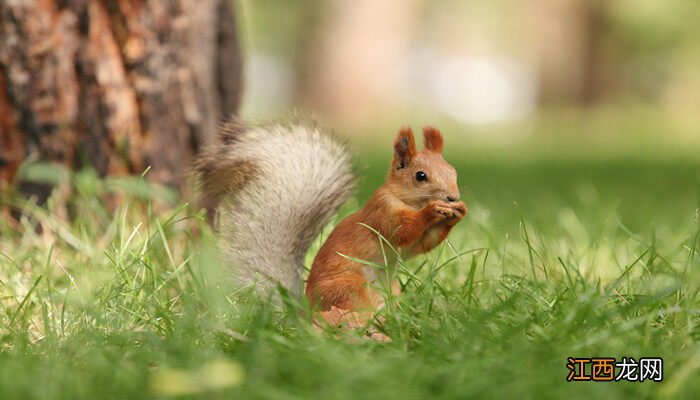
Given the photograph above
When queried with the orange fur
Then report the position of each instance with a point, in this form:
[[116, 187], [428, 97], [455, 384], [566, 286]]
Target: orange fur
[[415, 216]]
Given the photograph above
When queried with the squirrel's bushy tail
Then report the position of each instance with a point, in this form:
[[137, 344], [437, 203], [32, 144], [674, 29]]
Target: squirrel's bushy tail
[[274, 188]]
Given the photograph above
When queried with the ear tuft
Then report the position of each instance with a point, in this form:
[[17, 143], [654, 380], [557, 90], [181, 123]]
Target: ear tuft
[[404, 147], [432, 139]]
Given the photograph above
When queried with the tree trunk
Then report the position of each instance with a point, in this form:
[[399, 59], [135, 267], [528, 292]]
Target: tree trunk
[[346, 76], [118, 85]]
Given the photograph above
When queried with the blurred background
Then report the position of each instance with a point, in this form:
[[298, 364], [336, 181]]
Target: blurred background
[[577, 110], [479, 65]]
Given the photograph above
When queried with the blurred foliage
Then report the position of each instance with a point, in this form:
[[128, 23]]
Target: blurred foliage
[[280, 26], [655, 39], [643, 46]]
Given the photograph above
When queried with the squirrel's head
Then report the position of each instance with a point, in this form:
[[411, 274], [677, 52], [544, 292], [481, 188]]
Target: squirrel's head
[[418, 177]]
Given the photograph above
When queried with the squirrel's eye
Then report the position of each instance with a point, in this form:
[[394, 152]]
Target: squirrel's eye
[[421, 176]]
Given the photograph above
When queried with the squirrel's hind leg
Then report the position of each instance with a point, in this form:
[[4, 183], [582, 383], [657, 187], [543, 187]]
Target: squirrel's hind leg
[[348, 304], [350, 320]]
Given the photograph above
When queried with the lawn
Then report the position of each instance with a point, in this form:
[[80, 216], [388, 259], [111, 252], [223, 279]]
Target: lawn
[[565, 253]]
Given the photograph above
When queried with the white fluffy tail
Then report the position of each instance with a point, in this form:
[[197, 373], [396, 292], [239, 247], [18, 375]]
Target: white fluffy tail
[[276, 187]]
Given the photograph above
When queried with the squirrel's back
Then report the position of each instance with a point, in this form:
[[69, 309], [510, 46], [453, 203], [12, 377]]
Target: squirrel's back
[[274, 188]]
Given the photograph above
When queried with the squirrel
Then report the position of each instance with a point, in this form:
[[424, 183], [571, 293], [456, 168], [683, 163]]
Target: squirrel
[[275, 187]]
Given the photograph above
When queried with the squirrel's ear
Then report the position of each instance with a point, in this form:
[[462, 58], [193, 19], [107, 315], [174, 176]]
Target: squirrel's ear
[[432, 139], [404, 147]]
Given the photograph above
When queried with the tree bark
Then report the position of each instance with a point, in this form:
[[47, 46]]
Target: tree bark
[[119, 85]]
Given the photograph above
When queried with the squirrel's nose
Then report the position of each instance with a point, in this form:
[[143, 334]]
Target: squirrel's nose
[[452, 198]]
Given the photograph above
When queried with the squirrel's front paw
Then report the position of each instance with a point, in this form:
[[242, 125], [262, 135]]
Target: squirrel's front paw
[[459, 209], [440, 210]]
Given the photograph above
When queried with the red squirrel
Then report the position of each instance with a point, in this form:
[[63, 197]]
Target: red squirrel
[[275, 187]]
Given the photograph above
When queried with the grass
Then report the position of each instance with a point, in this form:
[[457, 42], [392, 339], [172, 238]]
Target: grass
[[560, 256]]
